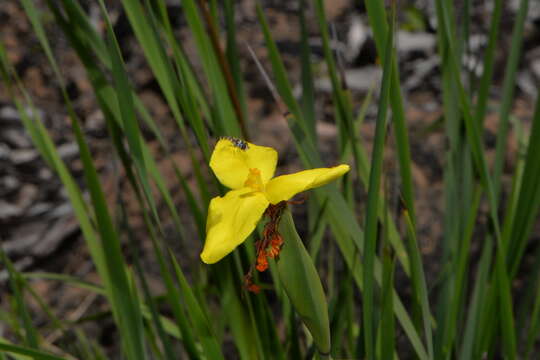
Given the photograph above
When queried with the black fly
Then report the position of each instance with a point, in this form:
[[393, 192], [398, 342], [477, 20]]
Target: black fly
[[241, 144]]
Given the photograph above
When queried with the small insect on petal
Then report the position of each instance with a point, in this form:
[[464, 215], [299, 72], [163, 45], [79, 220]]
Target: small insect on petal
[[239, 143]]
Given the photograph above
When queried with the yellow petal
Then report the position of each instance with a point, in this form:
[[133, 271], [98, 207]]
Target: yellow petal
[[231, 163], [286, 186], [230, 221]]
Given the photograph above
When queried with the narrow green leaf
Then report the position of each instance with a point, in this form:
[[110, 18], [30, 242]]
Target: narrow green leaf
[[201, 324], [528, 203], [471, 334], [387, 331], [378, 20], [372, 209], [534, 325], [509, 84], [303, 285], [418, 278], [27, 352], [17, 286]]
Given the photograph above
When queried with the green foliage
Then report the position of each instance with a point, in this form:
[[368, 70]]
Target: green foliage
[[337, 298]]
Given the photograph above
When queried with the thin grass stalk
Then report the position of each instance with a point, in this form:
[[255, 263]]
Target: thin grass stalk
[[241, 322], [187, 338], [151, 304], [418, 279], [455, 308], [488, 64], [200, 323], [308, 90], [347, 127], [508, 93], [123, 303], [22, 312], [455, 183], [372, 202], [528, 203], [534, 323], [25, 353], [378, 20], [120, 294], [473, 135], [225, 67], [127, 112], [223, 107], [233, 56], [144, 25], [472, 335], [106, 96], [387, 330]]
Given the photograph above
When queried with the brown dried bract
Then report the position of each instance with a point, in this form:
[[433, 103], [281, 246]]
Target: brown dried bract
[[269, 246]]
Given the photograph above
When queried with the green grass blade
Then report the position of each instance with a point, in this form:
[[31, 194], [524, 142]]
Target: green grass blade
[[26, 352], [418, 279], [169, 327], [489, 61], [201, 324], [340, 309], [123, 301], [372, 210], [471, 334], [387, 331], [189, 92], [378, 20], [17, 286], [474, 139], [534, 325], [350, 250], [142, 22], [224, 108], [308, 89], [107, 99], [117, 284], [528, 203], [509, 84], [82, 284], [344, 117], [297, 122], [150, 302], [456, 305], [127, 110]]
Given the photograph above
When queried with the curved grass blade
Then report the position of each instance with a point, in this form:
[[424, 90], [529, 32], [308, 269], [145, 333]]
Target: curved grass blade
[[17, 286], [26, 352], [418, 278], [509, 85], [387, 331], [474, 139], [528, 203], [378, 20], [372, 210], [201, 325]]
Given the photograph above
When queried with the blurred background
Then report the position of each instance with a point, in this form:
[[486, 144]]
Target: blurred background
[[40, 233]]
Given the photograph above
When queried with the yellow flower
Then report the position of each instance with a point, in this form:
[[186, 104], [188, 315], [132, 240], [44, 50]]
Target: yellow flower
[[248, 170]]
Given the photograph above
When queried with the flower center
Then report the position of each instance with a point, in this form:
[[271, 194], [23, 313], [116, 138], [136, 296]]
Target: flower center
[[254, 180]]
